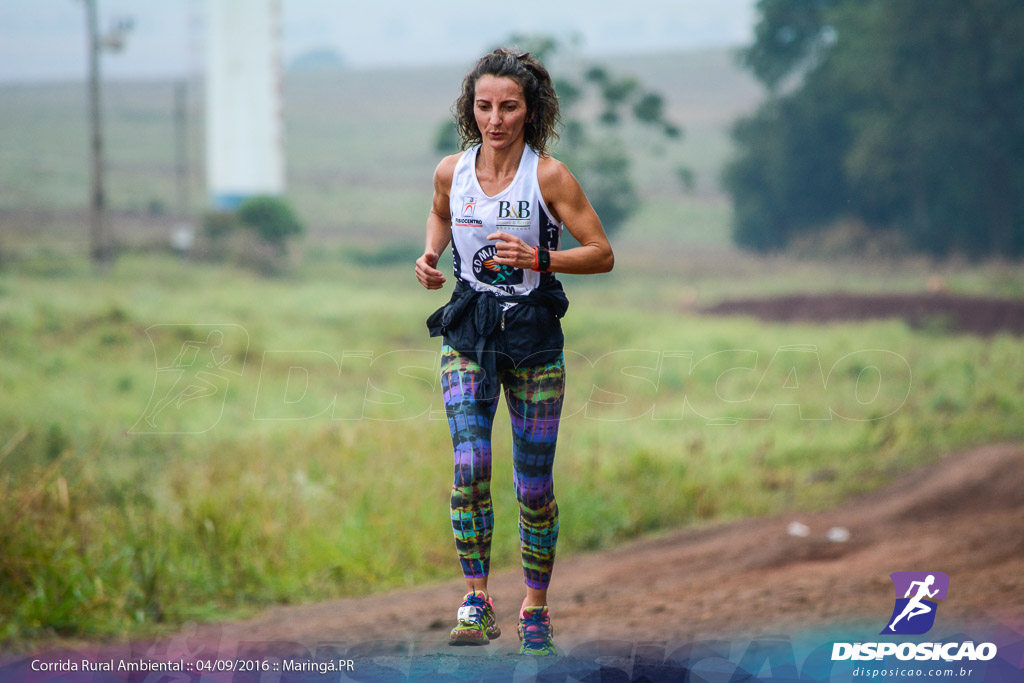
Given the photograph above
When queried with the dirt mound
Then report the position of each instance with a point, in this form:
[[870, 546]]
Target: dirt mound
[[974, 315]]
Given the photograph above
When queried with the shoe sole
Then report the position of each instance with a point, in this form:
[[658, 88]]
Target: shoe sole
[[468, 638]]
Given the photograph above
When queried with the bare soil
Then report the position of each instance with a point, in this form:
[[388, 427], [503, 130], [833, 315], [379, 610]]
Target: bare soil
[[939, 311]]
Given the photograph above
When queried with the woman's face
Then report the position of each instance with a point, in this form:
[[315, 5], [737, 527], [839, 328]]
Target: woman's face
[[500, 110]]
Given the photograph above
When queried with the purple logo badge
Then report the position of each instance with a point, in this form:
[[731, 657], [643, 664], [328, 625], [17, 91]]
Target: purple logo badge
[[916, 601]]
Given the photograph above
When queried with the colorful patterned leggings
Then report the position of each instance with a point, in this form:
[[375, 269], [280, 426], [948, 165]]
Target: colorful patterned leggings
[[534, 397]]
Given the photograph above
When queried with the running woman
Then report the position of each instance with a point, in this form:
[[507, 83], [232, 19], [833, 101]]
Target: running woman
[[502, 203]]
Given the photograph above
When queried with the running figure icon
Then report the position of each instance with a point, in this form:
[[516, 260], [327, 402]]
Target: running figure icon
[[186, 361], [916, 607], [917, 595], [193, 371]]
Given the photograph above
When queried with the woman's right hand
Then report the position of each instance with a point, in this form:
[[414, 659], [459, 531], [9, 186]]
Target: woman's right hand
[[429, 276]]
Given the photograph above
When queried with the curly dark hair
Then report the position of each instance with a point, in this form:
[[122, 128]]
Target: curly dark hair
[[541, 101]]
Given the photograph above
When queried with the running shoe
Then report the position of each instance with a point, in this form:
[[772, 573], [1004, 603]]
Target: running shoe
[[476, 621], [535, 631]]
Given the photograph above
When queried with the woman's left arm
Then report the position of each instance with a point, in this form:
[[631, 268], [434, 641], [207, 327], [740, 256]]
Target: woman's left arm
[[566, 200]]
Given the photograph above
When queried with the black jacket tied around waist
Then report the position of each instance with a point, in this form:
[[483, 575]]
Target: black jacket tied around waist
[[476, 324]]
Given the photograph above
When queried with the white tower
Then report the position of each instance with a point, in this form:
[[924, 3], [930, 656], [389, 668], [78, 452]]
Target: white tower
[[244, 130]]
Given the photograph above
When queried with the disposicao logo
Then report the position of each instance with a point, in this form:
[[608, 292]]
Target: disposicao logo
[[914, 614]]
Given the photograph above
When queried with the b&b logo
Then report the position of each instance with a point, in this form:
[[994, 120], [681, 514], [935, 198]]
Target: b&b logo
[[520, 210], [914, 612], [513, 215]]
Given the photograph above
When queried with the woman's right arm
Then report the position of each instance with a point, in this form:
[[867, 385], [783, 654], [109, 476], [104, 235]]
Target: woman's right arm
[[439, 225]]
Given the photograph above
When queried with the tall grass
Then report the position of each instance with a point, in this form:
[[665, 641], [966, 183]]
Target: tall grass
[[321, 467]]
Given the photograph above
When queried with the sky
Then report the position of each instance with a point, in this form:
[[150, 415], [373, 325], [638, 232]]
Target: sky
[[44, 40]]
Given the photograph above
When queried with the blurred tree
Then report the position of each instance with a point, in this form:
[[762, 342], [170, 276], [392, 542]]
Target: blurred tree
[[590, 141], [907, 116], [790, 37], [446, 138], [318, 59], [789, 178], [271, 218]]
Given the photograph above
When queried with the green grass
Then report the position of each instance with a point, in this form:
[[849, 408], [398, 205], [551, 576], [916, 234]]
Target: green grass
[[270, 496]]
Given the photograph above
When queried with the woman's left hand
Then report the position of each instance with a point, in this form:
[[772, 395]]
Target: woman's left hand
[[512, 251]]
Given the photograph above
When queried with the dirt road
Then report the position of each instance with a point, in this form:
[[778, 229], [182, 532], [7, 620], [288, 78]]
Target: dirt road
[[963, 516], [640, 613]]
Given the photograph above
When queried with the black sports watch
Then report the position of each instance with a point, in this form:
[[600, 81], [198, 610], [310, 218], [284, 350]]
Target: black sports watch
[[543, 260]]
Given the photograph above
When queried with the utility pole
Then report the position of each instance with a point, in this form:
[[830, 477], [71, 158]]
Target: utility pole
[[99, 242], [99, 247], [184, 235], [181, 144]]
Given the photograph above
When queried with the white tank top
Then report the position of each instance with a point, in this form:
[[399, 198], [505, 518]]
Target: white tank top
[[519, 210]]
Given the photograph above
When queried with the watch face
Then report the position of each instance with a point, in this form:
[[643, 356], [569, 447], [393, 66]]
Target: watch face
[[544, 259]]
